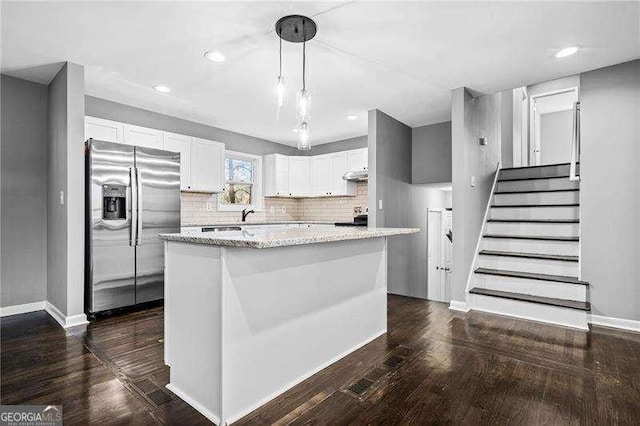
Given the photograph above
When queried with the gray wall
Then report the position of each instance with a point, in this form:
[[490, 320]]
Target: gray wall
[[108, 110], [23, 252], [65, 223], [337, 146], [390, 181], [610, 189], [506, 131], [471, 118], [431, 153]]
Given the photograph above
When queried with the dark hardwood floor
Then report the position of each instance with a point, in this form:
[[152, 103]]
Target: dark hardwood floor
[[433, 366]]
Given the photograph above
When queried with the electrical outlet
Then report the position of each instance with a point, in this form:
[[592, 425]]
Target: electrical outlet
[[284, 210], [473, 181], [379, 204], [272, 209], [208, 207], [62, 198]]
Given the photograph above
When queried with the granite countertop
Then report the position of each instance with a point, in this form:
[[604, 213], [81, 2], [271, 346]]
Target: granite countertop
[[285, 237], [272, 222]]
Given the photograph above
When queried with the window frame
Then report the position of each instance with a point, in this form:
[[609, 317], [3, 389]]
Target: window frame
[[256, 195]]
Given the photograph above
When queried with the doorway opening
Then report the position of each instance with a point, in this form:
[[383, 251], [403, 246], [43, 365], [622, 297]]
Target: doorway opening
[[439, 254]]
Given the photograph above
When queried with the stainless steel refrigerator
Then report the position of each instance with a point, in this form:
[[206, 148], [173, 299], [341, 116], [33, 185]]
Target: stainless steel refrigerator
[[133, 194]]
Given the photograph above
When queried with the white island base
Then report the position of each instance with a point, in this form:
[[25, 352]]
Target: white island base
[[243, 325]]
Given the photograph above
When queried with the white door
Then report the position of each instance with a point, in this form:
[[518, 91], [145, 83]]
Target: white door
[[142, 136], [182, 144], [207, 166], [552, 125], [439, 255], [103, 130]]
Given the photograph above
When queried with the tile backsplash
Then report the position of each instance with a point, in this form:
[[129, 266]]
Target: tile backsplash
[[202, 209]]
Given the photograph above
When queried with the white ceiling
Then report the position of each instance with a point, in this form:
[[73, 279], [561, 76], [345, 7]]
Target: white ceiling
[[403, 58]]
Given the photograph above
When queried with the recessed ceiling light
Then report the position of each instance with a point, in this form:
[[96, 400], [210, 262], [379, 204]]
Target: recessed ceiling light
[[214, 56], [295, 130], [162, 88], [352, 117], [567, 51]]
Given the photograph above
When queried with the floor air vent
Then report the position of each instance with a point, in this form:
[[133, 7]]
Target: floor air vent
[[360, 386]]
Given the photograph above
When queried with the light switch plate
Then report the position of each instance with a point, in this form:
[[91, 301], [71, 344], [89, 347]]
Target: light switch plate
[[62, 198], [379, 204], [473, 181], [272, 210]]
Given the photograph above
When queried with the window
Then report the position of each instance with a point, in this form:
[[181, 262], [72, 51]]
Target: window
[[242, 186]]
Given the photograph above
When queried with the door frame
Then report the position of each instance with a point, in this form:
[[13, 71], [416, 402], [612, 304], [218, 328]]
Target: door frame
[[534, 149]]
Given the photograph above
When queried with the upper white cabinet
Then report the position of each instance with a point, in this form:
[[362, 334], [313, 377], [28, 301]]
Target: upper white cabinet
[[299, 176], [358, 159], [321, 174], [276, 175], [201, 160], [182, 144], [315, 176], [207, 166], [142, 137], [103, 130]]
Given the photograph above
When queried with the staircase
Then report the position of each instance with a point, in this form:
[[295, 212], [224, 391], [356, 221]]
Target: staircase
[[528, 262]]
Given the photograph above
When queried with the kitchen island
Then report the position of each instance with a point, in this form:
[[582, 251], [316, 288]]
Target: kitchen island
[[249, 314]]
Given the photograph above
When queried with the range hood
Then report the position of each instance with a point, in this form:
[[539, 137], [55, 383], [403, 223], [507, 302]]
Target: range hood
[[356, 175]]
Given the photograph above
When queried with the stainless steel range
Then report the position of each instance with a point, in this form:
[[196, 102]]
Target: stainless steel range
[[133, 194]]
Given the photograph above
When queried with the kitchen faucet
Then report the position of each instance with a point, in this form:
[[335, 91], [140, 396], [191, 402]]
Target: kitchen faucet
[[246, 213]]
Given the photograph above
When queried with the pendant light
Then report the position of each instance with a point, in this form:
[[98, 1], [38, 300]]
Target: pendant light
[[297, 29]]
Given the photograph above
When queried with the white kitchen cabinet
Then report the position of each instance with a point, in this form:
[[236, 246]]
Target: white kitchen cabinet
[[142, 136], [182, 144], [207, 166], [299, 176], [103, 130], [358, 159], [321, 175], [276, 175], [339, 167]]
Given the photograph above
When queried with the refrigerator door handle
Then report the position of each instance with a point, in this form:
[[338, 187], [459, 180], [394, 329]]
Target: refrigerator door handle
[[139, 206], [134, 207]]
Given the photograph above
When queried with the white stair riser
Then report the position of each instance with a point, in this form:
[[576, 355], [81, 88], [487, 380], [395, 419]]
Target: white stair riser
[[525, 264], [565, 248], [532, 311], [537, 198], [531, 287], [536, 229], [537, 185], [557, 213], [535, 172]]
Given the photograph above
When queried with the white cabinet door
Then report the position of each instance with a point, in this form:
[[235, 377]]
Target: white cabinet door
[[103, 130], [321, 175], [207, 166], [299, 176], [339, 167], [142, 136], [358, 159], [276, 175], [182, 144]]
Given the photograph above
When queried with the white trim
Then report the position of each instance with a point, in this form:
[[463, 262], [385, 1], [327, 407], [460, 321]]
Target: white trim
[[22, 309], [300, 379], [621, 323], [63, 320], [192, 402], [456, 305], [257, 184], [482, 228]]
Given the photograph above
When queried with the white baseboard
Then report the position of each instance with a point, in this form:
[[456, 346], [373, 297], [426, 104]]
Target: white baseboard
[[63, 320], [620, 323], [22, 309], [195, 404], [456, 305]]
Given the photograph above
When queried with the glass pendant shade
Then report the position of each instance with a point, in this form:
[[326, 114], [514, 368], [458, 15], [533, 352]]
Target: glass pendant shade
[[304, 137], [303, 106], [281, 90]]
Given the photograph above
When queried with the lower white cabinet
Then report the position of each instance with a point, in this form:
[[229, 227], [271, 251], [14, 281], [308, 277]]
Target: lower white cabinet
[[207, 166]]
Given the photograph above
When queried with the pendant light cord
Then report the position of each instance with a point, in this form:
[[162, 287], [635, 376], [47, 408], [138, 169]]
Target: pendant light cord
[[280, 36], [304, 56]]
